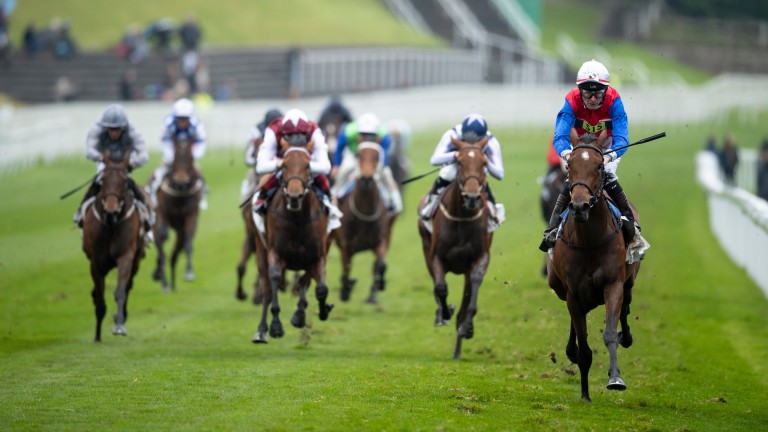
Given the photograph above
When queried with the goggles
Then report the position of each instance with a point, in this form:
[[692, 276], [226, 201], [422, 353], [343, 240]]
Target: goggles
[[587, 95]]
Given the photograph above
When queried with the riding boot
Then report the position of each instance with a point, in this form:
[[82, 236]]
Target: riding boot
[[139, 195], [550, 234], [620, 199], [90, 193], [432, 197]]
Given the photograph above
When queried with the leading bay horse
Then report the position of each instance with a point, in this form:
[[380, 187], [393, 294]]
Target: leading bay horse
[[178, 207], [366, 224], [587, 267], [459, 241], [112, 238], [296, 239]]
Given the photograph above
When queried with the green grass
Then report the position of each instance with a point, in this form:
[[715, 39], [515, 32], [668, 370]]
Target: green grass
[[99, 24], [701, 326]]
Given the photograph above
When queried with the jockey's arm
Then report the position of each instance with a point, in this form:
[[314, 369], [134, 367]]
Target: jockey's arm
[[140, 155], [200, 144], [92, 144], [265, 159], [495, 165], [565, 120], [444, 152], [620, 131], [319, 164], [341, 144]]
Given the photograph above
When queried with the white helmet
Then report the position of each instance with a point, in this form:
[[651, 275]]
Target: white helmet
[[183, 108], [368, 123], [593, 75]]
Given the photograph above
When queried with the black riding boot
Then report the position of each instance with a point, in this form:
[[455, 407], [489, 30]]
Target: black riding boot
[[92, 191], [620, 199], [550, 234]]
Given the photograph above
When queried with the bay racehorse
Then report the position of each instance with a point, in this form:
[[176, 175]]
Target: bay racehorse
[[296, 239], [366, 224], [112, 238], [588, 268], [178, 208], [459, 241]]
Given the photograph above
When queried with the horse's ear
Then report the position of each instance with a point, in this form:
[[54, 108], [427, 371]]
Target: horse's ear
[[601, 139], [284, 144], [458, 143], [310, 146], [483, 141], [574, 137]]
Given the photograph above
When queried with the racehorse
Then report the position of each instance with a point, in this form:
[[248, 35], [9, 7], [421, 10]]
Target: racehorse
[[366, 224], [112, 238], [296, 239], [588, 268], [178, 207], [459, 241]]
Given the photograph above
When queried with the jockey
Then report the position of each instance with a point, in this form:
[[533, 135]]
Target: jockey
[[114, 133], [366, 129], [470, 130], [592, 108], [181, 123], [254, 141], [297, 130]]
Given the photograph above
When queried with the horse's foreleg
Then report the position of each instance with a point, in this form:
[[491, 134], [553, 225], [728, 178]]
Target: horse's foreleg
[[444, 311], [379, 269], [100, 306], [124, 271], [571, 349], [347, 283], [465, 327], [275, 279], [579, 323], [178, 245], [161, 235], [321, 289], [299, 318], [613, 309], [245, 253], [190, 228], [266, 300], [625, 335]]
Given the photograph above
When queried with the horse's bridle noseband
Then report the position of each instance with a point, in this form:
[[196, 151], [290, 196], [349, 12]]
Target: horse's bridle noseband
[[461, 181], [594, 195], [284, 181]]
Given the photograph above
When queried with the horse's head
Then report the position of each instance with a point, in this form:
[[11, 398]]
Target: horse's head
[[369, 157], [586, 179], [296, 178], [471, 162], [182, 174], [114, 185]]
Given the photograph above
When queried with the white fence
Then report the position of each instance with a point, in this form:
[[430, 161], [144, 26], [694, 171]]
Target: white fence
[[738, 219]]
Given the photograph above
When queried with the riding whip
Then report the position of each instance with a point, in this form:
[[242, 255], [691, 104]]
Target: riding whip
[[423, 175], [78, 188], [642, 141]]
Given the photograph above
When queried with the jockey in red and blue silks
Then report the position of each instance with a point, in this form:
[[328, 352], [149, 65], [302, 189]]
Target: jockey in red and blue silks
[[593, 109]]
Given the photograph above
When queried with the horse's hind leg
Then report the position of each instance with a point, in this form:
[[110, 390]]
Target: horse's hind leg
[[246, 252], [347, 283], [161, 235], [571, 349], [99, 304], [579, 323], [321, 290], [379, 269], [124, 272]]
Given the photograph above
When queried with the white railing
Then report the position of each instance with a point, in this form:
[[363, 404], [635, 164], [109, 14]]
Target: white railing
[[738, 219]]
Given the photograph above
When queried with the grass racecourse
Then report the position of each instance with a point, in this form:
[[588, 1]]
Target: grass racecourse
[[699, 362]]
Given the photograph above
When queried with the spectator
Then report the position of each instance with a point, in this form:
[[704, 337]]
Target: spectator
[[203, 77], [127, 86], [190, 34], [762, 171], [227, 90], [64, 47], [65, 90], [31, 43], [133, 46], [159, 33], [190, 60], [729, 160]]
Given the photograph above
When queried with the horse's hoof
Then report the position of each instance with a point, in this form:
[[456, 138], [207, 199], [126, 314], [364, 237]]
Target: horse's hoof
[[616, 383], [298, 319], [166, 288], [240, 295], [276, 330], [372, 299], [120, 331], [260, 338], [157, 275], [450, 311], [466, 332], [625, 339], [189, 276], [345, 293], [324, 312]]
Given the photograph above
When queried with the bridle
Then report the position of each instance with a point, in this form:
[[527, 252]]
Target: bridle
[[594, 194], [461, 181], [285, 181]]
